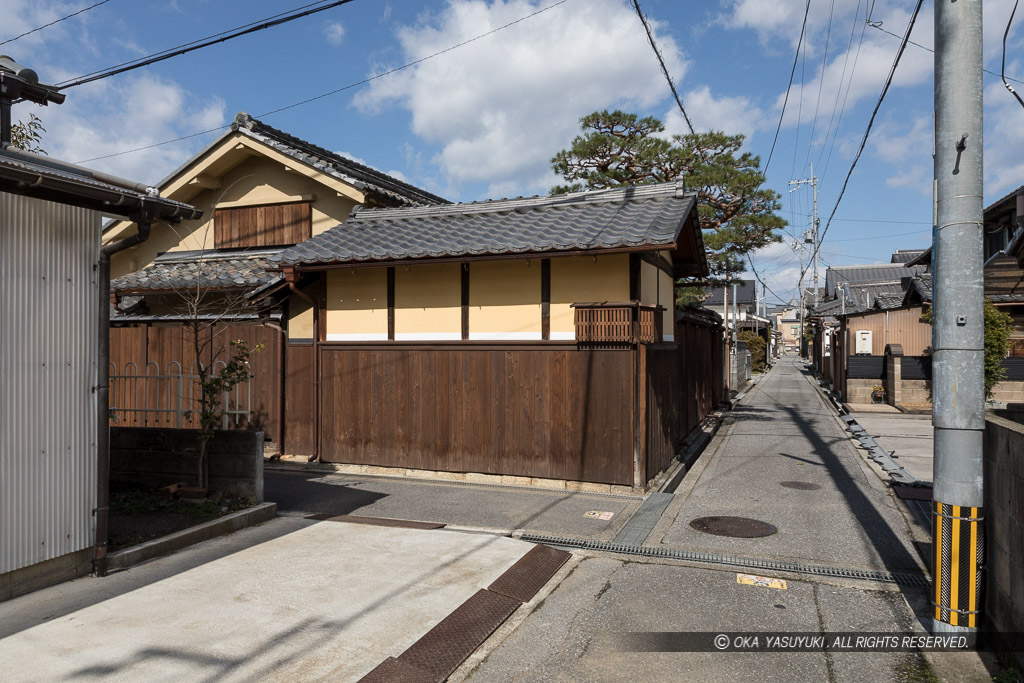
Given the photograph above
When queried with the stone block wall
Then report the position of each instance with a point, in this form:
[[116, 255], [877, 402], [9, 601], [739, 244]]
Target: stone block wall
[[1008, 392], [152, 457], [859, 390]]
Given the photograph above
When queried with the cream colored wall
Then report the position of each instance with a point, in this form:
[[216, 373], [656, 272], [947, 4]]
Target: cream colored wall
[[300, 314], [667, 299], [428, 302], [584, 279], [357, 304], [648, 283], [505, 300], [254, 181]]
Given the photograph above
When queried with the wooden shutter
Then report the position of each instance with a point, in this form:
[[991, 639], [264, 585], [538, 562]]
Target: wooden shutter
[[273, 225]]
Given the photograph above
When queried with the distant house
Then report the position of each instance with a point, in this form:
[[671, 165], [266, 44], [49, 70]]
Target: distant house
[[53, 479], [261, 191], [532, 338]]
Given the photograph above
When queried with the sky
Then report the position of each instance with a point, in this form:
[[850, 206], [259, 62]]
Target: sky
[[483, 119]]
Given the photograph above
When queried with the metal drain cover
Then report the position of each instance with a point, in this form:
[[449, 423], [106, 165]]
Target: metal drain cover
[[803, 485], [734, 527]]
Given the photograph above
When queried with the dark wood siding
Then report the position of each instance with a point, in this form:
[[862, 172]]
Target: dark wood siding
[[684, 384], [298, 399], [559, 413], [164, 349], [262, 226], [865, 367]]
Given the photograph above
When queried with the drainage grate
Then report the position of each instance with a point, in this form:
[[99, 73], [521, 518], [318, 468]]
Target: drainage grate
[[901, 579], [802, 485], [733, 527], [528, 575]]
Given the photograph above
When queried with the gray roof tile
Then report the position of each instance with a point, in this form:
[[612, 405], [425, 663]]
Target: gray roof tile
[[649, 215], [343, 168], [219, 270]]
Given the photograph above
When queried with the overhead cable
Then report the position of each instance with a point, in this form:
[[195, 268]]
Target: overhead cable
[[271, 22], [1003, 71], [336, 90], [792, 72], [661, 61], [55, 21], [871, 121]]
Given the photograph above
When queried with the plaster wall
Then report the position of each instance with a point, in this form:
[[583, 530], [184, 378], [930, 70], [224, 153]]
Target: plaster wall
[[585, 279], [505, 299]]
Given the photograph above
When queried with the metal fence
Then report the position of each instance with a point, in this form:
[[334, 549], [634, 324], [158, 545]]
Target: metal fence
[[170, 398]]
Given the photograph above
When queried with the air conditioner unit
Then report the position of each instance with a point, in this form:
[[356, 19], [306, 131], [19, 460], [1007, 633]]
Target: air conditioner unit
[[862, 346]]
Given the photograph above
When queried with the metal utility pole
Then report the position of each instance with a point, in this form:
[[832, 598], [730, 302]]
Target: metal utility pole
[[815, 222], [958, 330]]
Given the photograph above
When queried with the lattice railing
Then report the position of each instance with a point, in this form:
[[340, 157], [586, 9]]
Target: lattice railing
[[618, 323]]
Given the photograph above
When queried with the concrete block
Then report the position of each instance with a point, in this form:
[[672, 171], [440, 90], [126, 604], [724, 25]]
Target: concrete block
[[44, 574]]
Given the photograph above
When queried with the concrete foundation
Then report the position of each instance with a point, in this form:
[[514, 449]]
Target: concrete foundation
[[49, 573]]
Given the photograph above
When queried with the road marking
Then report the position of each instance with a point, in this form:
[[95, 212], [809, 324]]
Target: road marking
[[597, 514], [762, 581]]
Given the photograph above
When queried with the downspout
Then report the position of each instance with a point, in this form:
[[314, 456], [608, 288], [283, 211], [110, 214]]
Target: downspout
[[280, 389], [103, 394], [290, 278]]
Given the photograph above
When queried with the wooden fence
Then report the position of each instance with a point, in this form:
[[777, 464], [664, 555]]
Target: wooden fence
[[170, 347]]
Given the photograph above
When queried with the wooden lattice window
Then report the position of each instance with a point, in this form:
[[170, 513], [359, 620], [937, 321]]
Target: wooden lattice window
[[273, 225]]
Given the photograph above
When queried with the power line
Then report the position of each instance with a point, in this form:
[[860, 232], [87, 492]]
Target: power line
[[846, 95], [871, 121], [336, 90], [866, 220], [270, 22], [55, 21], [1003, 72], [763, 284], [789, 87], [661, 61], [839, 87], [821, 83], [878, 25]]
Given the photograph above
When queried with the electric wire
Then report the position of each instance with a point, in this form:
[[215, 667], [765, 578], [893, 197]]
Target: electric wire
[[867, 132], [55, 21], [846, 96], [336, 90], [821, 83], [1003, 71], [661, 61], [270, 22], [789, 87], [878, 25], [839, 87]]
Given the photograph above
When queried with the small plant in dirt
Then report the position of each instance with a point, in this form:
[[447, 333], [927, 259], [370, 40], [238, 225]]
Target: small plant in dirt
[[213, 386]]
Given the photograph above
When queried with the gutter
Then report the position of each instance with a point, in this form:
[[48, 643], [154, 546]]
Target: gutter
[[290, 278], [103, 394]]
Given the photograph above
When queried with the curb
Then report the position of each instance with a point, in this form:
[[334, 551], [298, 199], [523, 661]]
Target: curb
[[159, 547]]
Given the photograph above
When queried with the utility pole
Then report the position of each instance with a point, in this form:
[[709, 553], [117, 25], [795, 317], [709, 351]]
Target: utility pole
[[958, 330], [813, 182]]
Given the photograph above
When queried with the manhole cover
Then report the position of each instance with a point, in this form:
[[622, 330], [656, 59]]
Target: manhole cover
[[735, 527], [803, 485]]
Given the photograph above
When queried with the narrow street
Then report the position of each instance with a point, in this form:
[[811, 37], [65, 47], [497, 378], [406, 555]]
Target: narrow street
[[840, 515]]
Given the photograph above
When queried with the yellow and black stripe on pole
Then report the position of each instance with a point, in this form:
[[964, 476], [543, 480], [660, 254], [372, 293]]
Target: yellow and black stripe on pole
[[958, 564]]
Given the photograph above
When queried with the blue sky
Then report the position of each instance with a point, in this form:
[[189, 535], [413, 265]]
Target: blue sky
[[484, 119]]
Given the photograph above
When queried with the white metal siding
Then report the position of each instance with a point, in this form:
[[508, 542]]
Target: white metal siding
[[48, 338]]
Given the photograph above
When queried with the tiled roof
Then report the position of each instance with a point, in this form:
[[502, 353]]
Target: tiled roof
[[343, 168], [919, 289], [857, 275], [745, 294], [1006, 298], [648, 215], [182, 270], [904, 255]]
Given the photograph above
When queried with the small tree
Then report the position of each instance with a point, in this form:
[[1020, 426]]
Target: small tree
[[755, 344], [214, 384], [28, 135], [998, 327]]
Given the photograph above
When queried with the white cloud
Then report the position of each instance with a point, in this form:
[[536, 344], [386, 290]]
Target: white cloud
[[731, 115], [335, 32], [139, 110], [907, 148], [499, 108]]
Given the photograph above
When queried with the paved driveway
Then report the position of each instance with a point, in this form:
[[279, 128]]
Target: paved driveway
[[290, 600]]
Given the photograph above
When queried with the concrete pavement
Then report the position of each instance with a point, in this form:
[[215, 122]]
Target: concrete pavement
[[500, 509], [908, 436], [844, 516], [290, 600]]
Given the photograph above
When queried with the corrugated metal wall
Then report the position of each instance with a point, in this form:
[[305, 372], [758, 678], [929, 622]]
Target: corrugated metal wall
[[899, 326], [48, 336]]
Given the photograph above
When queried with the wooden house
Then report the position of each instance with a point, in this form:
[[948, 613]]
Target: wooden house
[[531, 338], [260, 191]]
